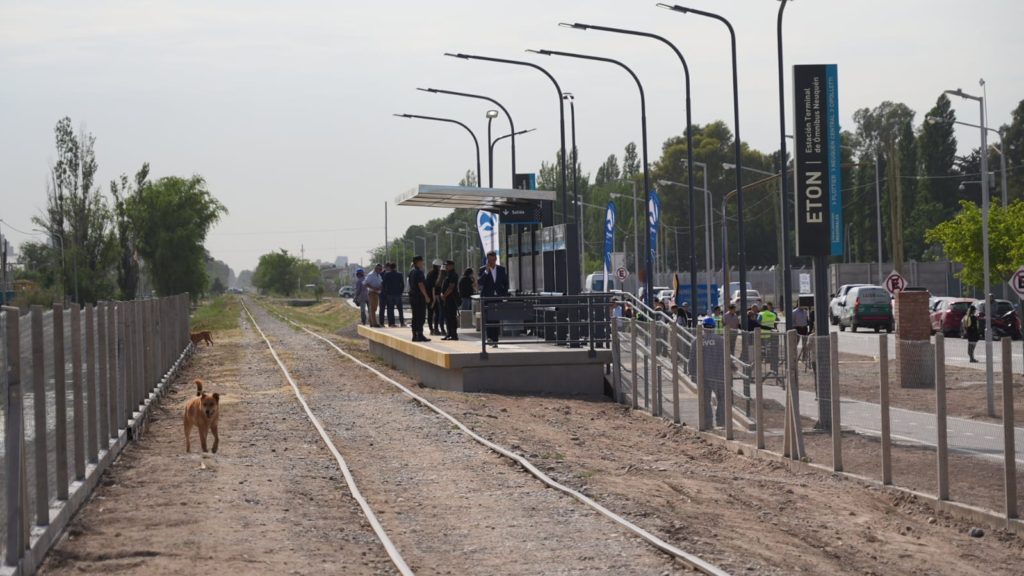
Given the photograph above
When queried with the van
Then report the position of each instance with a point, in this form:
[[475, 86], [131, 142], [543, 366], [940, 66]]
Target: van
[[866, 307], [595, 283]]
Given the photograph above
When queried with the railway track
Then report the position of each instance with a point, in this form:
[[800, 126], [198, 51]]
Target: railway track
[[686, 559]]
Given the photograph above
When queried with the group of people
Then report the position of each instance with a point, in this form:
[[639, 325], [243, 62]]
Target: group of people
[[435, 296]]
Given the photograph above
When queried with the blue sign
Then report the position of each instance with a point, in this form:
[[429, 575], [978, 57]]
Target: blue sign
[[609, 239], [654, 222]]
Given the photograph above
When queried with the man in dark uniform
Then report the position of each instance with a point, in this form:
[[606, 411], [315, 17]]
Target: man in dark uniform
[[493, 281], [450, 297], [431, 280], [419, 296]]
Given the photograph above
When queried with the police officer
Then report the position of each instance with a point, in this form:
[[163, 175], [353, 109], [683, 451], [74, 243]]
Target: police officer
[[450, 298], [419, 297]]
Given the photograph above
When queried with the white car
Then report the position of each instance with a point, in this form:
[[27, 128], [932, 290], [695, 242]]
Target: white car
[[835, 306], [753, 297]]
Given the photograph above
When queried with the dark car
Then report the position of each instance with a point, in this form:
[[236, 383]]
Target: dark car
[[1004, 322], [947, 313]]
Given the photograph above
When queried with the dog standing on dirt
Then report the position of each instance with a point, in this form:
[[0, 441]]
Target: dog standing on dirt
[[203, 412], [203, 336]]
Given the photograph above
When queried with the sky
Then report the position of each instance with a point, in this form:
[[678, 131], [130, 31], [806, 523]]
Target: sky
[[286, 107]]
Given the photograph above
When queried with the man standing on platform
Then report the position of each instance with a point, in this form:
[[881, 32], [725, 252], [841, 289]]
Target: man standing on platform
[[419, 296], [432, 276], [493, 281], [374, 286], [450, 297]]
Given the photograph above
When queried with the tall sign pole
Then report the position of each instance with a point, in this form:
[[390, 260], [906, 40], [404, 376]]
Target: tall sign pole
[[819, 202]]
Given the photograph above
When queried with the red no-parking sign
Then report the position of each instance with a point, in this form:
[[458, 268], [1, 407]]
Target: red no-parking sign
[[895, 283], [1017, 282]]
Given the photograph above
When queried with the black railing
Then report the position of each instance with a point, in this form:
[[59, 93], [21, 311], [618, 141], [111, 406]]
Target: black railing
[[571, 321]]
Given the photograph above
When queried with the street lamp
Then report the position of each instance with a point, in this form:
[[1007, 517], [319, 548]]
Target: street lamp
[[738, 146], [476, 143], [989, 375], [491, 115], [689, 139], [63, 288], [511, 125], [1001, 148], [649, 265], [575, 173], [787, 280]]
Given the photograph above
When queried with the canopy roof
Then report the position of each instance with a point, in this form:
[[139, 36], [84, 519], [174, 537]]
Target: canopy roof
[[437, 196]]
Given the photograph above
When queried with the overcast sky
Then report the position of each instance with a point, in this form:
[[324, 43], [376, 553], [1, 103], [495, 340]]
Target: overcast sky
[[285, 107]]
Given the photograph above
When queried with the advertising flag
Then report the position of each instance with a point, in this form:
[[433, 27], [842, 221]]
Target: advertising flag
[[487, 227], [654, 205], [609, 241]]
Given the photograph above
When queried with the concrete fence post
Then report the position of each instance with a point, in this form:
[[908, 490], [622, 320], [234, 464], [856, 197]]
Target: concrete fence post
[[128, 340], [42, 495], [14, 440], [92, 447], [941, 447], [837, 433], [755, 358], [140, 356], [103, 435], [883, 384], [702, 396], [673, 332], [77, 397], [60, 399], [727, 383], [111, 380], [1009, 445], [797, 451], [634, 379]]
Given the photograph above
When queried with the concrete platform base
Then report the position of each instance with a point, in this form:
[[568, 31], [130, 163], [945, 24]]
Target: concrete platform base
[[511, 368]]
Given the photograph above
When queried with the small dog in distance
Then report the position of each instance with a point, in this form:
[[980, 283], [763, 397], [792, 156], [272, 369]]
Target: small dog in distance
[[203, 336], [202, 412]]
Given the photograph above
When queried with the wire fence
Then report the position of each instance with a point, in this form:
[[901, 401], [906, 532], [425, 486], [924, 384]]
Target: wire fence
[[75, 385], [913, 414]]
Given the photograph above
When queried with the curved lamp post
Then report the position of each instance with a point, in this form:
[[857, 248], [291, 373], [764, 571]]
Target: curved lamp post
[[511, 124], [649, 265], [450, 121], [689, 137]]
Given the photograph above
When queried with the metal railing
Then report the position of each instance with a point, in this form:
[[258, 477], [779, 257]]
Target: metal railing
[[76, 386], [579, 321]]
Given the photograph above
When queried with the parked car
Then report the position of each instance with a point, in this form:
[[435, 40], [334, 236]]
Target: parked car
[[733, 288], [866, 307], [1004, 322], [346, 292], [656, 290], [946, 314], [753, 297], [834, 306], [595, 283]]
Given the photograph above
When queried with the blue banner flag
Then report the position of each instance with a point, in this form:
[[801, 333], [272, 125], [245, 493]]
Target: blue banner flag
[[653, 224], [609, 241]]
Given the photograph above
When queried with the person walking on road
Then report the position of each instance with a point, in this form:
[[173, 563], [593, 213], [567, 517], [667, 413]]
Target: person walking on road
[[360, 296], [493, 281], [374, 286], [419, 297], [451, 299], [467, 288], [431, 279], [971, 330]]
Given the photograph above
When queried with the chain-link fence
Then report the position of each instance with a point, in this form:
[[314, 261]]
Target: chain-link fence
[[75, 383]]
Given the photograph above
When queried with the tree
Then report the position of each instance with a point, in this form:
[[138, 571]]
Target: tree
[[1013, 137], [469, 179], [217, 287], [607, 172], [282, 273], [171, 218], [78, 217], [961, 239], [630, 161], [127, 259]]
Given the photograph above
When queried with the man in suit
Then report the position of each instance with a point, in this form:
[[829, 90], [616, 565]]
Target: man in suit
[[493, 281], [419, 296]]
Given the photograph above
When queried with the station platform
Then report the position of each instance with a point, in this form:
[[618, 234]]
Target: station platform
[[513, 367]]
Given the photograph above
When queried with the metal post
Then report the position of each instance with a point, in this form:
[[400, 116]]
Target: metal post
[[673, 332], [702, 396], [616, 360], [941, 448], [42, 501], [90, 383], [60, 402], [1009, 446], [647, 376], [878, 216], [793, 364], [14, 439], [657, 391], [755, 358], [727, 381], [883, 381], [837, 438], [787, 280], [78, 402]]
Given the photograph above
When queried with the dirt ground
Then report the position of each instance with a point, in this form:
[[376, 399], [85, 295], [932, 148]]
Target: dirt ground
[[270, 501], [965, 389], [452, 507]]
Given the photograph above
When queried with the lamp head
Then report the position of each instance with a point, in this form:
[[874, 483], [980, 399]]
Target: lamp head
[[459, 55], [431, 90], [682, 9], [492, 113], [402, 115], [575, 25], [568, 96], [542, 52], [728, 166]]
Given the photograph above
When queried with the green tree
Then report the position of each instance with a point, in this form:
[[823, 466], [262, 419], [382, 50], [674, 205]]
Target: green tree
[[171, 218], [961, 239], [1013, 137], [469, 179], [217, 288], [608, 171], [630, 161], [127, 264], [276, 273]]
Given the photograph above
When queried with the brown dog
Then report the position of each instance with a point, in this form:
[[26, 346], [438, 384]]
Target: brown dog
[[203, 336], [202, 412]]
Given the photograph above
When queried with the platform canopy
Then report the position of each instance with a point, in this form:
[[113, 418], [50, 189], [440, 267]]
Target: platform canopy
[[436, 196]]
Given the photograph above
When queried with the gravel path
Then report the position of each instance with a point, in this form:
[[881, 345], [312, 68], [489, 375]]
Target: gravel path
[[450, 505]]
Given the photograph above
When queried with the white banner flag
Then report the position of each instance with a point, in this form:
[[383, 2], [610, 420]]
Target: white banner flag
[[487, 225]]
